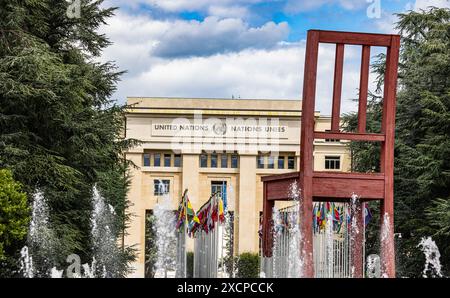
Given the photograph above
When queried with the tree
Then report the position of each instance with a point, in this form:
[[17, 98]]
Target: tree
[[248, 265], [14, 218], [59, 129], [14, 213], [422, 151]]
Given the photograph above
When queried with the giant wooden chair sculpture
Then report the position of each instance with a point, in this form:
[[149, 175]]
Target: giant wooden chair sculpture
[[332, 186]]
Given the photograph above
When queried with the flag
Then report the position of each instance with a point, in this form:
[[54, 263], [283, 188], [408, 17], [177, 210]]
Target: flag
[[224, 197], [367, 215], [221, 213], [181, 213], [192, 216]]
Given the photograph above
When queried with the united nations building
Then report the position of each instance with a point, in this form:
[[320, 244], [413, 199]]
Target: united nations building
[[209, 145]]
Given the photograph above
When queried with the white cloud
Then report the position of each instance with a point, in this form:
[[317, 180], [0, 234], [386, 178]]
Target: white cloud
[[214, 35], [386, 24], [228, 11], [138, 37], [295, 6], [424, 4], [219, 8], [190, 5], [244, 61]]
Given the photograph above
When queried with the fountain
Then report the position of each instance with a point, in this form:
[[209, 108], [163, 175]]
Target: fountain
[[294, 260], [105, 250], [165, 235], [36, 256], [432, 258]]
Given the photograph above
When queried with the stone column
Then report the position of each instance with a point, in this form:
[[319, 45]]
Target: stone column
[[248, 215], [190, 181], [136, 230]]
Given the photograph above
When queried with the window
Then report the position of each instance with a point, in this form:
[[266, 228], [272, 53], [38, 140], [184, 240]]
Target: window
[[167, 159], [177, 160], [260, 162], [224, 161], [271, 163], [157, 160], [161, 187], [332, 162], [214, 160], [291, 162], [146, 160], [234, 161], [281, 162], [219, 187], [203, 161]]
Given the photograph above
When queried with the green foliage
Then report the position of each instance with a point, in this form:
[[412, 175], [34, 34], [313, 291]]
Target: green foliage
[[439, 216], [248, 265], [190, 264], [14, 214], [59, 129], [422, 151]]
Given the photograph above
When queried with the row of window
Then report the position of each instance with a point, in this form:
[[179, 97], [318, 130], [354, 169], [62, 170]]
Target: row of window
[[161, 159], [215, 160], [162, 187], [282, 162], [232, 161]]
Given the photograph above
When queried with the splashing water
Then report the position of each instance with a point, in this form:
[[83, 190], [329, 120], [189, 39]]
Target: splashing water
[[36, 257], [385, 232], [329, 244], [105, 250], [355, 207], [432, 258], [26, 263], [55, 273], [165, 235], [295, 262]]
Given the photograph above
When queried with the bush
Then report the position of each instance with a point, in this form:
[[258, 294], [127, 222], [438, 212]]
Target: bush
[[14, 214], [248, 265], [190, 264]]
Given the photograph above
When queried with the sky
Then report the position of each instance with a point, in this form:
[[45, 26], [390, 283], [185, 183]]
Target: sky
[[240, 48]]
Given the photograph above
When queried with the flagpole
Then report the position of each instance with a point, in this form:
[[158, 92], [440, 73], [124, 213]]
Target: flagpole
[[184, 232]]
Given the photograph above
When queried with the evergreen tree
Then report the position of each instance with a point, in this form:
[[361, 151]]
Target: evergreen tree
[[14, 218], [422, 152], [59, 129]]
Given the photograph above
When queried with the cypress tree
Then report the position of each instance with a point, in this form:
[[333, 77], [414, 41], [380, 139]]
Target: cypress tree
[[59, 130]]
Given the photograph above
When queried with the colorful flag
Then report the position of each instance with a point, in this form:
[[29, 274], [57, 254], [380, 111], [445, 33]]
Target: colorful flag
[[367, 215], [221, 213], [192, 216]]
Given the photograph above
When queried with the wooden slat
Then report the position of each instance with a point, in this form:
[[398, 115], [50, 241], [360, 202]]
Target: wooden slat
[[368, 189], [280, 176], [279, 189], [387, 157], [328, 186], [370, 137], [346, 175], [267, 224], [354, 38], [357, 239], [337, 87], [306, 151], [363, 89]]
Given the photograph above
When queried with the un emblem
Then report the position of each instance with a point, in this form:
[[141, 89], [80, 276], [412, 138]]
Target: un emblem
[[220, 128]]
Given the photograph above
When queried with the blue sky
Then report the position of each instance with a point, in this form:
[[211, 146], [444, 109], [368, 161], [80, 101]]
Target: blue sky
[[240, 48]]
